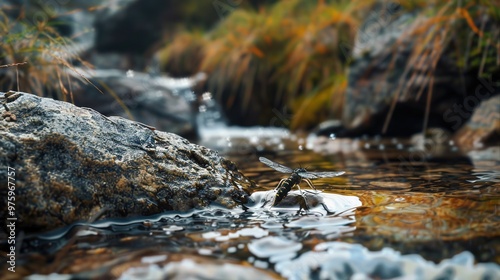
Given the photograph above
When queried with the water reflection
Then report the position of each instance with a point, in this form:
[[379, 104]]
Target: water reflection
[[258, 235], [434, 202]]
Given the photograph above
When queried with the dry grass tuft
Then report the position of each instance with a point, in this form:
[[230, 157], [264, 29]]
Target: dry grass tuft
[[455, 27], [291, 48], [41, 57]]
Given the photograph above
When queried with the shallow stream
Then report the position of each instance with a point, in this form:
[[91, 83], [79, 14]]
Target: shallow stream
[[400, 211]]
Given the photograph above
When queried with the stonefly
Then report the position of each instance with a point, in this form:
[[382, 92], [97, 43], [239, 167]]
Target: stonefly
[[296, 176]]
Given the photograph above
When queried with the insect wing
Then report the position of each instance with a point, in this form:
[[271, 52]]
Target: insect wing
[[316, 175], [275, 165]]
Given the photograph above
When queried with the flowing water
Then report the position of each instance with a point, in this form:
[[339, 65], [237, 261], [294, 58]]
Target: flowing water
[[428, 212]]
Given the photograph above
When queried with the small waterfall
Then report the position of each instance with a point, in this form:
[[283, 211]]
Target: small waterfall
[[215, 133], [209, 116]]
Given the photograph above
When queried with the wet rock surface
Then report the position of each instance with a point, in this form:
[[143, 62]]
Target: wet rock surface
[[483, 128], [72, 163]]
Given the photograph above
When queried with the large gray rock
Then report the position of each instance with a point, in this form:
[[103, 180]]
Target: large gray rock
[[71, 163]]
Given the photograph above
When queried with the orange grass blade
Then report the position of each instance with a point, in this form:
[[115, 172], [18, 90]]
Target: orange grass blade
[[464, 13]]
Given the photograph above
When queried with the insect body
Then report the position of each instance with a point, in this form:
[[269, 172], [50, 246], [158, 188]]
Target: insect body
[[296, 176]]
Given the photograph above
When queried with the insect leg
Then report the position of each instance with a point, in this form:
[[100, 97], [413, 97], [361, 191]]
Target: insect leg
[[304, 197], [298, 186], [310, 184]]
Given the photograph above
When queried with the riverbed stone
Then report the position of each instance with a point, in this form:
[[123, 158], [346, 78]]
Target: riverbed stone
[[71, 163], [483, 128]]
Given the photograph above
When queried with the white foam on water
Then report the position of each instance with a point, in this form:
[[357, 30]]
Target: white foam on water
[[340, 260]]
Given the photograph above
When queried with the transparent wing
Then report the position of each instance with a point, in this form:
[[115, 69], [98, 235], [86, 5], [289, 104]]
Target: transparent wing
[[316, 175], [275, 165]]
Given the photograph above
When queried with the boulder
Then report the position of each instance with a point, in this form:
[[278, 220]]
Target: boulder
[[71, 163], [385, 82], [483, 128]]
